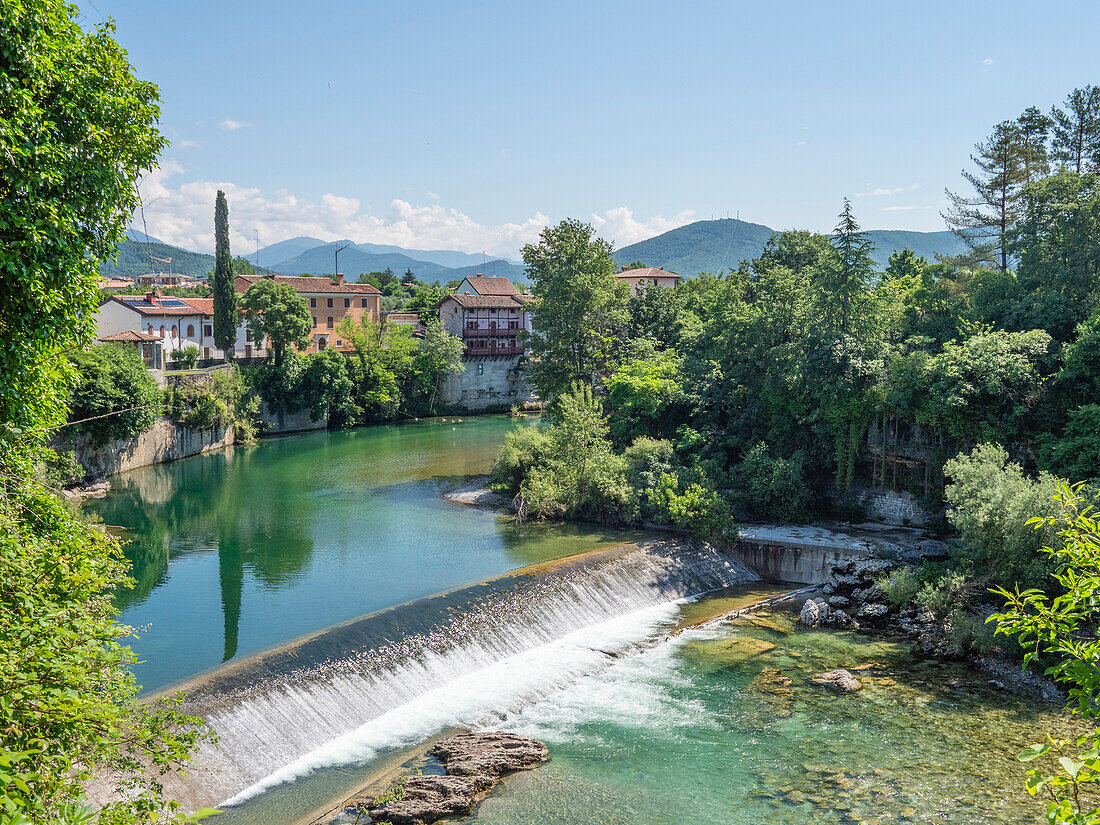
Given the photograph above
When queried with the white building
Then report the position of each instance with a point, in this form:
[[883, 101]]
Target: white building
[[646, 277], [177, 322]]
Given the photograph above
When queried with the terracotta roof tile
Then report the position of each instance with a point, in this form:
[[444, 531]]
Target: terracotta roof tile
[[309, 286], [129, 336], [495, 301], [492, 285], [646, 272]]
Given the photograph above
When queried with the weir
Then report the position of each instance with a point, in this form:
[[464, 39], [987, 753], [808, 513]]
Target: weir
[[397, 677]]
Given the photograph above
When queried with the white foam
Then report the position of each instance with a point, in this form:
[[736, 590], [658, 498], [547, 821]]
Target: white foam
[[479, 697]]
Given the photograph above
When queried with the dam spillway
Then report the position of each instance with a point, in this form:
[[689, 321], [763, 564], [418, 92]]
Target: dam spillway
[[463, 657]]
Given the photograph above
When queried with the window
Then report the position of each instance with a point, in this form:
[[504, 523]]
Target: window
[[471, 325], [330, 303], [207, 330], [480, 369], [315, 322], [190, 330], [163, 331], [248, 335], [151, 329], [175, 332], [347, 303], [313, 303], [364, 303], [339, 343], [329, 322]]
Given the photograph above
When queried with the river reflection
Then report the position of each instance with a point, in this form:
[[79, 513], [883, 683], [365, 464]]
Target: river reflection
[[239, 550]]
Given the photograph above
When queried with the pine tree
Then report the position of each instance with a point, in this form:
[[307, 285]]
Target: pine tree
[[846, 284], [1034, 131], [983, 220], [227, 316], [1077, 130]]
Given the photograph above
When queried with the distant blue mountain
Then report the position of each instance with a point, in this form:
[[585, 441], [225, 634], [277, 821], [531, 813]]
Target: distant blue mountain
[[354, 261], [285, 251], [276, 253], [717, 246]]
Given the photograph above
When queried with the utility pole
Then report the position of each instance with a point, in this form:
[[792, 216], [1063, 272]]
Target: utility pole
[[256, 262], [336, 257]]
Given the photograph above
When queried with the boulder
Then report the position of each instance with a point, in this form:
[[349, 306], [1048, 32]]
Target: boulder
[[872, 612], [474, 762], [839, 601], [811, 614], [718, 654], [839, 681]]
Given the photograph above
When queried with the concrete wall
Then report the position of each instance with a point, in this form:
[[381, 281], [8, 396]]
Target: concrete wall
[[164, 441], [282, 422], [798, 554], [487, 381], [893, 507]]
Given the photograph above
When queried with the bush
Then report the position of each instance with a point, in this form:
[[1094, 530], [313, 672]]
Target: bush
[[327, 388], [185, 358], [1076, 455], [647, 459], [900, 586], [524, 449], [698, 509], [945, 595], [989, 502], [772, 488], [214, 402], [115, 390]]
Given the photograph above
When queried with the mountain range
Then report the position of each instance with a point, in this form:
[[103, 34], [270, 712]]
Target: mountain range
[[703, 246], [717, 246]]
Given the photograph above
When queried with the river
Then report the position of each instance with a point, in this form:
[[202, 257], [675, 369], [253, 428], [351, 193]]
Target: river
[[420, 615]]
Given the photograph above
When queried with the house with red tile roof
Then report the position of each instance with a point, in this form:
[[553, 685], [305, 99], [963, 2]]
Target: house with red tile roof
[[648, 276], [330, 299]]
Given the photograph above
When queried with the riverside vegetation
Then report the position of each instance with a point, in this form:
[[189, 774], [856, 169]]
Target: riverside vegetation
[[765, 391]]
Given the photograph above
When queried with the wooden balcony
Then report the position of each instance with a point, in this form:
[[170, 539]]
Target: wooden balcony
[[509, 351], [486, 332]]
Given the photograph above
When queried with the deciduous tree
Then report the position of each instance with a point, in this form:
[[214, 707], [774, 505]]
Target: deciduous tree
[[277, 312]]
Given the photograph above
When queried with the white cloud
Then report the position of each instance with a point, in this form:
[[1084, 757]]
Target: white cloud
[[988, 61], [874, 193], [185, 144], [229, 125], [183, 215], [432, 195]]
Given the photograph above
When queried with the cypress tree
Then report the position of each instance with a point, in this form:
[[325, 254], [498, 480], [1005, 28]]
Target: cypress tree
[[226, 313]]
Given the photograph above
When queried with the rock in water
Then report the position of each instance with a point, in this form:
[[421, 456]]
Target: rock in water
[[811, 614], [840, 681], [474, 762]]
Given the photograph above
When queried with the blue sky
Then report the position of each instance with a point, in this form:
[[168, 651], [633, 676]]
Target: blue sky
[[471, 125]]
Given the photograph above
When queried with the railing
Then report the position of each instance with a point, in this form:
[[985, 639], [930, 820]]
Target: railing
[[483, 332], [509, 351]]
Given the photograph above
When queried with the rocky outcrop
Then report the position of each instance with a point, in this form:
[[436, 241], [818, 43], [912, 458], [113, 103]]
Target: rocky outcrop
[[838, 681], [474, 763]]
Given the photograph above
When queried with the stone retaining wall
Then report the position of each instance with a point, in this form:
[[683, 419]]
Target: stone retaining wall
[[164, 441]]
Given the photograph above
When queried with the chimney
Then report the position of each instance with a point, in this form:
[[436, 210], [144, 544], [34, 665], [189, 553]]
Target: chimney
[[661, 268], [338, 278], [150, 297]]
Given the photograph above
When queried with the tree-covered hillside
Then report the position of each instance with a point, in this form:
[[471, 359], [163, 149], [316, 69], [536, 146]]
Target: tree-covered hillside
[[133, 260], [717, 246]]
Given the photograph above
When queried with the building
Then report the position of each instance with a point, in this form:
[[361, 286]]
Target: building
[[176, 322], [489, 314], [150, 346], [330, 300], [646, 277], [407, 319], [113, 284]]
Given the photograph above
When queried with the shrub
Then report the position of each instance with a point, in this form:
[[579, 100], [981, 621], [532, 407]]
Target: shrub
[[217, 401], [989, 502], [945, 595], [900, 586], [1076, 454], [524, 449], [772, 488], [698, 509], [115, 390]]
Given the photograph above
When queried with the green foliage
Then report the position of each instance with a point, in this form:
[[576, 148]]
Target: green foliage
[[327, 388], [1076, 130], [693, 507], [438, 354], [772, 488], [115, 390], [900, 585], [646, 397], [1076, 454], [62, 208], [226, 312], [276, 312], [68, 710], [185, 358], [524, 449], [1061, 629], [945, 595], [214, 401], [383, 365], [989, 501], [579, 304]]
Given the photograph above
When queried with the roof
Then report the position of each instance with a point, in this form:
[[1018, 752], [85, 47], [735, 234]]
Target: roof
[[307, 285], [403, 316], [161, 306], [129, 336], [492, 285], [516, 301], [647, 272], [203, 305], [114, 283]]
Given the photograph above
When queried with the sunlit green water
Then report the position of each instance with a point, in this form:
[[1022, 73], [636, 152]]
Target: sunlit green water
[[239, 550], [680, 734]]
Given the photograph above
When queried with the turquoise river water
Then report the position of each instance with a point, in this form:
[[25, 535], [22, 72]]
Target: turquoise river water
[[653, 715]]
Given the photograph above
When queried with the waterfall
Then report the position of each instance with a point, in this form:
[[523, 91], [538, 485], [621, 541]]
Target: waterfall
[[397, 677]]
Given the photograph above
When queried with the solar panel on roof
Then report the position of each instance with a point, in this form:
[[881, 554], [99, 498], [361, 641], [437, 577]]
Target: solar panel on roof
[[169, 302]]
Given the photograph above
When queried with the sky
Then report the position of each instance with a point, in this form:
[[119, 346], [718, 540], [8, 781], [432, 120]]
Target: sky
[[472, 125]]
